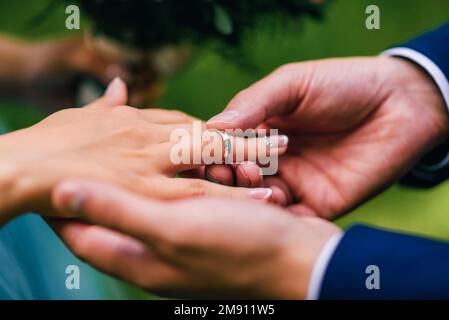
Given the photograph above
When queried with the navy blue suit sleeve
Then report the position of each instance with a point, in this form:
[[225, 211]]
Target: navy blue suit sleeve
[[409, 267], [435, 46]]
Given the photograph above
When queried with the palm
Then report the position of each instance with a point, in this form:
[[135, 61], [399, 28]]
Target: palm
[[345, 146]]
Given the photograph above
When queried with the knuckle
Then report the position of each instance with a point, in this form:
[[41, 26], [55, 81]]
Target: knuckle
[[127, 109], [126, 113], [180, 236], [137, 133], [180, 114], [140, 130], [242, 98], [286, 68]]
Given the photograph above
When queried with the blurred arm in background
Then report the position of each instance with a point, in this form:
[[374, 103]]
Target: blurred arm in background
[[47, 73]]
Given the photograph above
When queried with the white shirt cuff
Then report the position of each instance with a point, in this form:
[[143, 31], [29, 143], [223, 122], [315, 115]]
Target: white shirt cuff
[[437, 75], [432, 69], [319, 269]]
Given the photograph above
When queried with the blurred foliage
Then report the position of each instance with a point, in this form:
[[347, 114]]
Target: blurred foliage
[[199, 21], [204, 86]]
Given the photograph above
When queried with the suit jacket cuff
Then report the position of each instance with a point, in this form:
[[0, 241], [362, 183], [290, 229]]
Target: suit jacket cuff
[[441, 80], [404, 266], [431, 53]]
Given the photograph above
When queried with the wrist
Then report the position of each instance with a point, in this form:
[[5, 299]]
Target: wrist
[[10, 201], [13, 200], [301, 251], [418, 84]]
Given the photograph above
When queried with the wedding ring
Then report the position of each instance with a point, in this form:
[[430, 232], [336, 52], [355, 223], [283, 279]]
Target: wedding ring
[[267, 141], [226, 143]]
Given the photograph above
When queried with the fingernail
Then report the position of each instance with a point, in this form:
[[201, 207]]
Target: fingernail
[[278, 141], [113, 71], [224, 117], [113, 86], [73, 195], [261, 193]]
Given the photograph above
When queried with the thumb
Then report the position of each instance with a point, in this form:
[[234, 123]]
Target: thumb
[[106, 205], [274, 95], [116, 94]]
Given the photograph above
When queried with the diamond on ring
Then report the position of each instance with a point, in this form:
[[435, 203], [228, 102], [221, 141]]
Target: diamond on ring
[[267, 141]]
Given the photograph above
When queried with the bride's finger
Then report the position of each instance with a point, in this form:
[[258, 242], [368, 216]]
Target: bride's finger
[[186, 151], [179, 188], [246, 175]]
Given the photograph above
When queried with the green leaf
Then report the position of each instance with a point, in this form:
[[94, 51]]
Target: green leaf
[[223, 21]]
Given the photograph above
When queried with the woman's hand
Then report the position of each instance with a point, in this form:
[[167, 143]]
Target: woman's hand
[[104, 141], [203, 247]]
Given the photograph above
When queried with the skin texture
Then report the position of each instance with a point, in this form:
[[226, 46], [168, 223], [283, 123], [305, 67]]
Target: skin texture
[[191, 248], [109, 142], [355, 126]]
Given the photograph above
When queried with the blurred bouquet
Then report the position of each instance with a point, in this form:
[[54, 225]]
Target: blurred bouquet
[[149, 24], [154, 37]]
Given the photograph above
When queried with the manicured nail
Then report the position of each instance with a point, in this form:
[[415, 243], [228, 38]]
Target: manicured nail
[[224, 117], [114, 71], [113, 87], [278, 141], [75, 197], [261, 193]]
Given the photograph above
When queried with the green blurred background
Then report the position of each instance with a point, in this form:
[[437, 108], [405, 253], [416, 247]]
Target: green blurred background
[[205, 85]]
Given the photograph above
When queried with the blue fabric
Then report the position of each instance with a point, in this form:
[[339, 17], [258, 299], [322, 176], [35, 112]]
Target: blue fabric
[[409, 267], [435, 46], [33, 263]]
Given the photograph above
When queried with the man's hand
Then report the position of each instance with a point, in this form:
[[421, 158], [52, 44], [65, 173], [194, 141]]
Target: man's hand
[[205, 248], [355, 126]]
